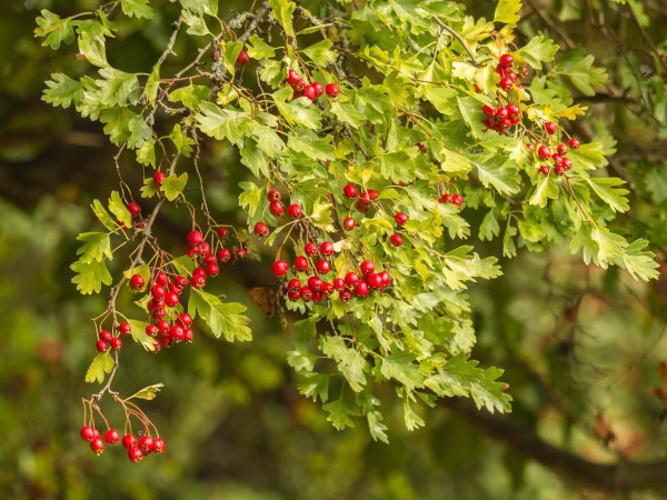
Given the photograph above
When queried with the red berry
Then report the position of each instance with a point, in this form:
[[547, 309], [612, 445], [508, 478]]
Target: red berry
[[198, 281], [558, 159], [135, 454], [351, 279], [189, 335], [361, 290], [544, 169], [125, 328], [488, 110], [97, 445], [158, 177], [350, 191], [129, 441], [506, 83], [310, 248], [161, 278], [243, 57], [294, 294], [116, 343], [87, 433], [345, 294], [326, 248], [151, 330], [146, 444], [349, 223], [195, 238], [339, 283], [396, 240], [294, 284], [574, 143], [111, 436], [301, 263], [318, 88], [332, 89], [306, 294], [274, 195], [544, 152], [326, 287], [105, 335], [400, 218], [241, 252], [567, 163], [367, 267], [101, 345], [157, 291], [310, 92], [171, 299], [550, 127], [280, 268], [457, 199], [134, 208], [223, 232], [322, 266], [261, 229], [212, 269], [560, 169], [562, 149], [530, 147], [158, 445], [293, 77], [506, 60], [314, 282], [136, 282], [276, 208], [224, 255], [294, 211], [386, 279], [163, 326], [184, 319], [374, 280]]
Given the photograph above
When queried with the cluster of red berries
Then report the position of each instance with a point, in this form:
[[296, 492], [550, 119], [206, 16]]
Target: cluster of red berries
[[508, 77], [456, 199], [136, 448], [502, 117], [315, 289], [107, 340], [277, 209], [311, 91], [561, 163]]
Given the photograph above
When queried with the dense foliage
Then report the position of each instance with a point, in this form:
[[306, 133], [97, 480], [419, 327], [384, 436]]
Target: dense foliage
[[446, 142]]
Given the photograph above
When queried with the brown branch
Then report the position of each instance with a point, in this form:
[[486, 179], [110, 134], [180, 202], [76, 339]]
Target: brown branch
[[456, 35], [617, 477]]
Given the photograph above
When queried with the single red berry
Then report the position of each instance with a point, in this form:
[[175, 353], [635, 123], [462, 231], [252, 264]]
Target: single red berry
[[158, 177], [136, 282], [530, 147], [185, 320], [151, 330], [506, 60], [339, 283], [294, 211], [181, 281], [241, 252], [116, 343], [396, 240], [318, 88], [562, 149], [310, 248], [105, 335], [310, 92], [574, 143], [163, 326], [323, 266], [345, 294], [488, 110], [386, 279], [243, 58], [293, 77], [134, 208], [198, 281], [189, 335], [276, 208], [512, 109], [506, 83], [326, 248], [146, 444], [158, 291], [350, 190], [351, 279], [223, 232], [294, 284], [367, 267], [97, 445], [125, 328], [158, 445], [361, 290], [502, 113], [349, 223], [294, 294], [261, 229], [373, 194], [567, 163], [400, 218], [129, 441], [314, 282], [101, 345], [332, 90], [550, 127], [177, 333], [111, 436], [195, 238], [558, 159], [544, 152], [363, 204], [374, 280], [306, 294], [161, 278], [560, 170], [301, 263], [326, 287], [457, 199], [171, 299], [224, 255], [280, 268], [87, 433], [135, 454], [212, 269], [544, 169]]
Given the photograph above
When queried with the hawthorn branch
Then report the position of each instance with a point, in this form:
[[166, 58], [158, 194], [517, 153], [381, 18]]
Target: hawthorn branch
[[456, 35], [617, 477]]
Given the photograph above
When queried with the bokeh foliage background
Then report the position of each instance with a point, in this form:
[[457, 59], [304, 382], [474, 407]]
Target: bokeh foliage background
[[582, 348]]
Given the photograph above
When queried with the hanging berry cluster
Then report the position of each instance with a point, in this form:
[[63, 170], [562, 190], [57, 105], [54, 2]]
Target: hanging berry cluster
[[313, 90]]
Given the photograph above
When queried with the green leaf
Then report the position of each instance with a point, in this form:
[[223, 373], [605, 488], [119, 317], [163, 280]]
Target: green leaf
[[320, 53], [137, 8], [316, 385], [96, 247], [339, 414], [462, 377], [173, 186], [153, 84], [349, 361], [146, 157], [489, 227], [92, 44], [103, 216], [223, 318], [90, 276], [640, 263], [503, 179], [589, 156], [311, 145], [149, 392], [299, 111], [117, 124], [462, 266], [190, 96], [62, 91], [401, 366], [223, 123], [53, 29], [209, 7], [118, 208], [348, 113], [607, 188], [102, 364], [181, 140], [376, 427], [259, 49], [267, 139], [140, 132], [250, 197], [577, 66], [537, 51], [546, 189], [455, 163], [282, 12], [471, 111], [507, 11], [138, 330]]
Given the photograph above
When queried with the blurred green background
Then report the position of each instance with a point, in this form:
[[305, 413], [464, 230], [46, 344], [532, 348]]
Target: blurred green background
[[581, 347]]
